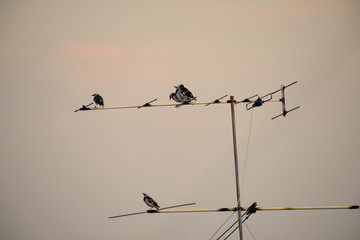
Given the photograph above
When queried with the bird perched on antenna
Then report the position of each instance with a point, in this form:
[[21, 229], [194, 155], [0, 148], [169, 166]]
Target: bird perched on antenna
[[98, 100], [182, 94], [150, 202]]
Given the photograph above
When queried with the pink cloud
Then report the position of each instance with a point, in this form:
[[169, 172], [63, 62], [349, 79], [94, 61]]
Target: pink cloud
[[102, 51], [105, 64], [91, 51], [153, 52]]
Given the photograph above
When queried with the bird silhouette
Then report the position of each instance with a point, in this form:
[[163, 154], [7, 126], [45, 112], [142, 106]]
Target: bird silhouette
[[182, 94], [150, 202], [98, 100]]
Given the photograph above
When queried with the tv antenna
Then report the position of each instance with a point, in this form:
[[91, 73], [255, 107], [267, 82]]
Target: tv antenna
[[251, 103]]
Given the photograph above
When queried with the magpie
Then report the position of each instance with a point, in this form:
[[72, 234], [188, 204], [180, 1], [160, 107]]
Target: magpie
[[150, 202], [98, 100], [175, 98], [182, 94]]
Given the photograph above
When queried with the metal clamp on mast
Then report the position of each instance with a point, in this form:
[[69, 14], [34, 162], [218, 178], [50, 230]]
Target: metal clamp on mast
[[84, 108], [216, 101], [259, 101], [148, 104], [247, 99]]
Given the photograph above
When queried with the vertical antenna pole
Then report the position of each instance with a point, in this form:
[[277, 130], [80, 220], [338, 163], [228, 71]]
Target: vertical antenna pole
[[236, 166]]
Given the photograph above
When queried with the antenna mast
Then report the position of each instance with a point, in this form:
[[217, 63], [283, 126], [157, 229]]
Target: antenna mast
[[232, 102]]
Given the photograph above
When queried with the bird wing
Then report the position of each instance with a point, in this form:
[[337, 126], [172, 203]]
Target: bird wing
[[152, 202], [180, 96], [189, 94]]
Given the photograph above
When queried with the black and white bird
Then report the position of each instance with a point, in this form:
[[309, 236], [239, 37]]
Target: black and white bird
[[175, 98], [150, 202], [98, 100], [182, 94]]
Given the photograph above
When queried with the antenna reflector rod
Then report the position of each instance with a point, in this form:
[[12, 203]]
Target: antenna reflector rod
[[150, 211], [284, 112], [290, 84], [283, 87]]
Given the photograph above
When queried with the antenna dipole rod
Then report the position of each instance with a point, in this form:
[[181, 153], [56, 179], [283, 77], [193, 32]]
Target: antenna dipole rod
[[232, 101]]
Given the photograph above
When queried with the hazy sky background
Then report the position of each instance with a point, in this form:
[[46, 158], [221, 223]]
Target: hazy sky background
[[62, 174]]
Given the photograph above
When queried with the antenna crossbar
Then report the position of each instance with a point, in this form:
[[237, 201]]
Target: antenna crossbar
[[166, 105], [194, 210], [257, 209], [308, 208]]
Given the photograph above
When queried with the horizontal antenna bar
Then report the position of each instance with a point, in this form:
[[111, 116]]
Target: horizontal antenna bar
[[194, 210], [152, 105], [166, 105], [257, 209], [308, 208]]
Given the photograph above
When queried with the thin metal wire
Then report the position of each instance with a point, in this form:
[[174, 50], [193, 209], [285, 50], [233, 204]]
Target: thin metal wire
[[249, 231], [229, 229], [247, 152], [223, 225], [243, 180], [231, 233], [235, 229]]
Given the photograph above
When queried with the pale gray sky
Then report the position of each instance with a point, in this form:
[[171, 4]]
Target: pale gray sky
[[62, 174]]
